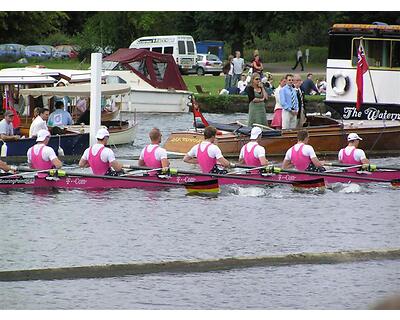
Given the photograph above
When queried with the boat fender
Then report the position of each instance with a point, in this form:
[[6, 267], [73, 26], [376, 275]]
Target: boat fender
[[4, 149], [340, 87]]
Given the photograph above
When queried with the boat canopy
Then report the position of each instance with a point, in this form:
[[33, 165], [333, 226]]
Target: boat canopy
[[82, 90], [157, 69]]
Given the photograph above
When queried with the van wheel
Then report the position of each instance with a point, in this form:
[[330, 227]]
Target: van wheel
[[200, 71]]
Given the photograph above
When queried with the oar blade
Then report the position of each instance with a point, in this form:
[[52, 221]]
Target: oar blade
[[206, 186], [313, 184]]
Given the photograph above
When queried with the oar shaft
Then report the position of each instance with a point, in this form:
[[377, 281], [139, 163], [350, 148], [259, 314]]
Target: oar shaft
[[224, 176], [336, 164]]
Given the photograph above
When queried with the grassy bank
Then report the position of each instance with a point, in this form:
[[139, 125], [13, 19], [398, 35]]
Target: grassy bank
[[52, 64]]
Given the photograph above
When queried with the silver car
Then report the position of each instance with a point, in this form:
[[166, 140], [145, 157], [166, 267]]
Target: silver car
[[208, 63]]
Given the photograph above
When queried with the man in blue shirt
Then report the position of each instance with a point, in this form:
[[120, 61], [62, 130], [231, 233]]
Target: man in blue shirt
[[290, 104], [59, 117]]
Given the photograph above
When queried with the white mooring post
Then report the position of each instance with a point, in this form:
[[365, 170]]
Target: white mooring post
[[95, 96]]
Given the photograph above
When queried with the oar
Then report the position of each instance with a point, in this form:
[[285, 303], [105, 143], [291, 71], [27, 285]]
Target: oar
[[306, 183], [139, 172], [371, 167]]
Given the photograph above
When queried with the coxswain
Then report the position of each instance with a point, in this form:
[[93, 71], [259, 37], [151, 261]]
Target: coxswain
[[302, 156], [207, 154], [351, 154], [41, 156], [152, 155], [252, 154], [100, 158]]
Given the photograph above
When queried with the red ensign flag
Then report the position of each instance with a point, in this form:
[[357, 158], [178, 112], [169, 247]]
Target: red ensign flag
[[362, 67]]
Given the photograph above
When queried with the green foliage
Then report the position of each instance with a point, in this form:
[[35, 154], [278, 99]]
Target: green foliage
[[223, 103], [58, 38]]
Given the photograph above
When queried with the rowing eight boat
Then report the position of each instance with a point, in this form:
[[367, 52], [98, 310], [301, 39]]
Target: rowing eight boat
[[88, 181]]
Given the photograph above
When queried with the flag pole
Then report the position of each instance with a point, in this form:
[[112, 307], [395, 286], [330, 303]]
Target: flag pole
[[372, 84]]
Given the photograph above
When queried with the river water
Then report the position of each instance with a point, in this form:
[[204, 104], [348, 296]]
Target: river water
[[81, 228]]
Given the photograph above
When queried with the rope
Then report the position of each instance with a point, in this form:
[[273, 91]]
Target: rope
[[117, 270]]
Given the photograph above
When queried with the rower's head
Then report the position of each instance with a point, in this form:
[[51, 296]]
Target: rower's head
[[353, 139], [155, 136], [255, 133], [102, 136], [302, 136], [209, 133], [43, 136]]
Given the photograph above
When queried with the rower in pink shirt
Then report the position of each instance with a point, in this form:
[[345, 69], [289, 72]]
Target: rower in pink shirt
[[41, 156], [252, 154], [207, 154], [100, 158], [153, 156], [351, 155], [302, 156]]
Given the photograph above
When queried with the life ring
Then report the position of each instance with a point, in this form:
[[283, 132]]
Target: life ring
[[340, 83]]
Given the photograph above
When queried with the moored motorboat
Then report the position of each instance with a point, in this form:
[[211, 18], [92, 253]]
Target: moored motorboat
[[327, 136]]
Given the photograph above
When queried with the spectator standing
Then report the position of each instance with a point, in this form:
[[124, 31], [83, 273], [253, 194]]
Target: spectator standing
[[257, 65], [308, 86], [299, 59], [257, 100], [238, 67], [277, 119], [228, 72], [301, 114], [290, 104]]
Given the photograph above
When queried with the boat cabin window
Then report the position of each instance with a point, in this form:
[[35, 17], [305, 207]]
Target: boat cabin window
[[380, 53], [181, 47], [157, 49], [339, 47], [159, 69], [190, 47], [168, 50], [140, 66]]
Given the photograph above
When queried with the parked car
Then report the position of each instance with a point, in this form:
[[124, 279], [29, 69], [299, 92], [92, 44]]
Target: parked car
[[38, 51], [208, 63], [71, 50], [12, 50]]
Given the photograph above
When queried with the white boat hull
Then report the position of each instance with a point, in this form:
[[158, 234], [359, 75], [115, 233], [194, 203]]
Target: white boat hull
[[157, 100]]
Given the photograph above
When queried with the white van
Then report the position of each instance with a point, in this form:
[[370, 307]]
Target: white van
[[181, 47]]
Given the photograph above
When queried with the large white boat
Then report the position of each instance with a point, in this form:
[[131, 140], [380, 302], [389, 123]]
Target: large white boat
[[155, 81], [381, 84]]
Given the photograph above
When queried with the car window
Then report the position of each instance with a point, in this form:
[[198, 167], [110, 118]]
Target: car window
[[181, 47], [157, 49], [190, 47], [212, 57], [168, 50]]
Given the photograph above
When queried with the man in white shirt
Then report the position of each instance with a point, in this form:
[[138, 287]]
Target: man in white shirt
[[100, 158], [238, 67], [252, 154], [39, 123], [207, 154], [152, 155], [301, 155], [6, 127], [351, 155], [41, 156]]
